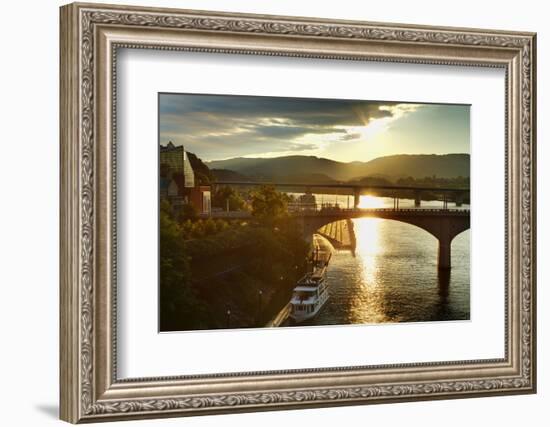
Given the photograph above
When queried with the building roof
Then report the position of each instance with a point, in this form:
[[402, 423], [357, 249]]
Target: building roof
[[170, 147]]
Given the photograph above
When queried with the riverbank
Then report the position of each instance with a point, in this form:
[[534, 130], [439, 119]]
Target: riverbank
[[323, 250], [237, 276]]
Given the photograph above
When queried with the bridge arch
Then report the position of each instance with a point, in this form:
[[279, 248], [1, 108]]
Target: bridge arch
[[444, 226]]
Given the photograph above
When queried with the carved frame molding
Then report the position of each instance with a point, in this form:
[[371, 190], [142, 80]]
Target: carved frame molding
[[90, 37]]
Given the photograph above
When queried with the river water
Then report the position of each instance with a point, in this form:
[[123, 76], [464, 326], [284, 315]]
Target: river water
[[393, 276]]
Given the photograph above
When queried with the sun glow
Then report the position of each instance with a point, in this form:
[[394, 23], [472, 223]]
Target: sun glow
[[370, 202], [375, 127]]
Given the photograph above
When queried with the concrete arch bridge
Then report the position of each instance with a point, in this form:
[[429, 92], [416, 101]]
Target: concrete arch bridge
[[443, 224]]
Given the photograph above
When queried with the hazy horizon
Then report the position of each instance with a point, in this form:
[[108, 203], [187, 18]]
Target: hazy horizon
[[221, 127], [321, 157]]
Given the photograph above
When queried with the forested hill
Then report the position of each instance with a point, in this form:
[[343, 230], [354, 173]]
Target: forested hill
[[390, 167]]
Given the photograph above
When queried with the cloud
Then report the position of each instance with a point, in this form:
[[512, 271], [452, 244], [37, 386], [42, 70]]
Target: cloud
[[221, 126], [349, 136]]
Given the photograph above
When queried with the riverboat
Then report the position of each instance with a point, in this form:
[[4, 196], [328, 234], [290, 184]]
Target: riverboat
[[309, 296]]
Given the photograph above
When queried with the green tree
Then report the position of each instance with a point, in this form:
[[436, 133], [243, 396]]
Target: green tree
[[269, 206], [221, 225], [227, 197], [179, 307], [166, 208], [187, 211], [209, 227], [186, 229], [197, 230]]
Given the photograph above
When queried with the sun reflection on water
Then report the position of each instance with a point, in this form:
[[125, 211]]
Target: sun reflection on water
[[370, 202], [367, 304], [367, 233]]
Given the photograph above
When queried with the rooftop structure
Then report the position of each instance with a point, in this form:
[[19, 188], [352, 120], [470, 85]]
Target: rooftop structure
[[178, 183], [174, 161]]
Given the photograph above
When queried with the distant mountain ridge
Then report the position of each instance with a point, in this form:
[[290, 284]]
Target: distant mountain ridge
[[313, 169]]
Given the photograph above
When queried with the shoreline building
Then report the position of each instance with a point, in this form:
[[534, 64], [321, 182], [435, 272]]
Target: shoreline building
[[178, 183], [305, 202]]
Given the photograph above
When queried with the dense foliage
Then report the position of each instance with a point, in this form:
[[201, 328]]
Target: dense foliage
[[202, 172], [177, 297], [228, 198], [269, 206], [220, 273]]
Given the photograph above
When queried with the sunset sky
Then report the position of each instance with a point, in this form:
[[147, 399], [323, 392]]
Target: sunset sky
[[217, 127]]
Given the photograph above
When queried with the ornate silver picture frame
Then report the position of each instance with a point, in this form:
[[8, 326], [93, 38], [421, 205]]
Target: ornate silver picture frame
[[91, 36]]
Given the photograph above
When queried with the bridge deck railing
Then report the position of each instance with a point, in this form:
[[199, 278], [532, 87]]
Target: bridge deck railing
[[346, 212]]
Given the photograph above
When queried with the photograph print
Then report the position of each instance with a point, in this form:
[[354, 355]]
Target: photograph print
[[300, 212]]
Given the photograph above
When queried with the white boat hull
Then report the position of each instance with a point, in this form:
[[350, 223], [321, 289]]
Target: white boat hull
[[302, 316]]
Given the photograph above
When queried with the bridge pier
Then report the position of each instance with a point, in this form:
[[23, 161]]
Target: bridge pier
[[396, 203], [417, 199], [458, 200], [444, 254], [356, 197]]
